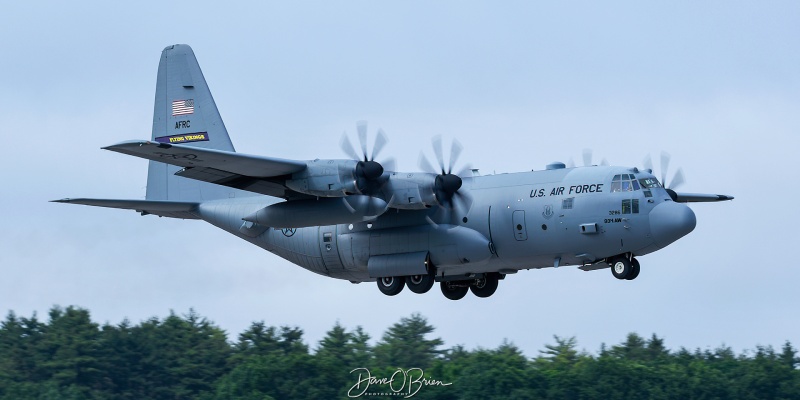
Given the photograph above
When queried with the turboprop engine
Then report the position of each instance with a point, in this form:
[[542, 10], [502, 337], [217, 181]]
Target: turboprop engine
[[328, 178]]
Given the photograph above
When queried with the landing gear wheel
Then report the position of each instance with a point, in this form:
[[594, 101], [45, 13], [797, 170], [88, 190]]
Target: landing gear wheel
[[419, 283], [485, 286], [621, 267], [391, 285], [453, 290], [634, 270]]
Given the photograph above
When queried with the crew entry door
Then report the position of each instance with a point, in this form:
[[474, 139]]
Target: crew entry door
[[328, 248]]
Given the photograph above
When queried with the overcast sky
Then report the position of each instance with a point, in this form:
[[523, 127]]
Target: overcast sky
[[520, 84]]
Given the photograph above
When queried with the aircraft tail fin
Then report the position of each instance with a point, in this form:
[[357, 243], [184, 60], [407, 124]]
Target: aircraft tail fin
[[184, 113]]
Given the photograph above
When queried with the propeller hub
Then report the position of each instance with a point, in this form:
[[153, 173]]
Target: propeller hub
[[448, 183], [370, 170]]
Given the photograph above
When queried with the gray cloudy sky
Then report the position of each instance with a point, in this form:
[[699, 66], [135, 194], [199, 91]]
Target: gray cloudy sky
[[520, 84]]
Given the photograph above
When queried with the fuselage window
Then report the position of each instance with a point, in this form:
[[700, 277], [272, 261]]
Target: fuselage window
[[327, 237], [566, 204], [626, 206], [630, 206]]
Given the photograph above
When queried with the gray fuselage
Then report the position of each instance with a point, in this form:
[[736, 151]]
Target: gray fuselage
[[537, 219]]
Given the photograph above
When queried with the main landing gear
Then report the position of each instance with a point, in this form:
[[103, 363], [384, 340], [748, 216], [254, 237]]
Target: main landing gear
[[624, 267], [484, 286], [391, 285]]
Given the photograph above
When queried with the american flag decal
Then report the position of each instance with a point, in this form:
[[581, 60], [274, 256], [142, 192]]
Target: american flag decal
[[182, 107]]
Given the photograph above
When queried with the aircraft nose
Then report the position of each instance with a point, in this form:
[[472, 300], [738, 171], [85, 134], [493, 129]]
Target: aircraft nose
[[670, 221]]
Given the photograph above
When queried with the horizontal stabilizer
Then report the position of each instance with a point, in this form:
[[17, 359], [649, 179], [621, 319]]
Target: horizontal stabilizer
[[192, 157], [171, 209]]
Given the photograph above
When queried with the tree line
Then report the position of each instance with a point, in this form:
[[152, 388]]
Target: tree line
[[188, 357]]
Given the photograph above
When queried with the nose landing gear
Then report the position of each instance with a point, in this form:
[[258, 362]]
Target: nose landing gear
[[624, 268]]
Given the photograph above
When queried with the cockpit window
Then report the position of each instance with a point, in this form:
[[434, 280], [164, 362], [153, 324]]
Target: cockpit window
[[624, 183], [649, 183]]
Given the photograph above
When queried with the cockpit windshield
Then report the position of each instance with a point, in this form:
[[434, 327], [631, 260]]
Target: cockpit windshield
[[624, 183], [649, 183]]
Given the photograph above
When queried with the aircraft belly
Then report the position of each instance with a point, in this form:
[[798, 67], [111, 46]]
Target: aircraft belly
[[299, 246]]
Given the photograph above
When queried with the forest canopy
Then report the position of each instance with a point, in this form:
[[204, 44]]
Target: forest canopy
[[186, 356]]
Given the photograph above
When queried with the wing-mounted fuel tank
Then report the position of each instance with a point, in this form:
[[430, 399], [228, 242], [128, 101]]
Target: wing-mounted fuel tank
[[322, 211]]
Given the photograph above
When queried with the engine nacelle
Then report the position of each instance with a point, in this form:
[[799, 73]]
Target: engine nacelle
[[410, 191], [339, 178], [325, 178]]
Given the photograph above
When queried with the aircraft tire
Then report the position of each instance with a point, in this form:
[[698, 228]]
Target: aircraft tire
[[621, 267], [634, 270], [419, 283], [391, 285], [484, 287], [453, 292]]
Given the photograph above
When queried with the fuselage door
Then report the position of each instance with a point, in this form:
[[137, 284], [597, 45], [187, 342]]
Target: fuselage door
[[518, 222], [328, 248]]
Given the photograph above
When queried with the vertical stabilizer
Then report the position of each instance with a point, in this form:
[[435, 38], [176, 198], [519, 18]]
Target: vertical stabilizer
[[184, 113]]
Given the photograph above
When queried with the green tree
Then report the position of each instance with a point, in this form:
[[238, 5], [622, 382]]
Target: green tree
[[556, 363], [70, 353], [503, 373], [405, 345], [177, 357], [20, 374], [789, 355], [272, 365]]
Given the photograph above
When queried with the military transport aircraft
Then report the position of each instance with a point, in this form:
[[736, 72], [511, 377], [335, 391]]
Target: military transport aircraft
[[358, 219]]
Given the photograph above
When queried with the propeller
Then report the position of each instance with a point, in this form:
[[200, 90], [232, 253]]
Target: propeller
[[368, 172], [678, 178], [587, 160], [446, 186]]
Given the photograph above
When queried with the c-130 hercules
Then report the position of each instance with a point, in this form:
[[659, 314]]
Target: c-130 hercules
[[359, 220]]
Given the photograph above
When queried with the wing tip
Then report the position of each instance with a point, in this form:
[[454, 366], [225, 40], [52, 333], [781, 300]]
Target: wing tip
[[116, 146]]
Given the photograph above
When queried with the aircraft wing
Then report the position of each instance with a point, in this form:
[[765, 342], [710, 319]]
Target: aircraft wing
[[264, 175], [171, 209], [699, 197]]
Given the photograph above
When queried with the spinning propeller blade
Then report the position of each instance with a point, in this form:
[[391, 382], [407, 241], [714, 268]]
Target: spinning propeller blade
[[446, 187], [368, 172], [648, 163], [587, 159], [677, 179], [361, 126]]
